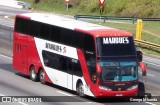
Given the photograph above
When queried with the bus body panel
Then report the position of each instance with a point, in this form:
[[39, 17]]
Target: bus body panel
[[57, 77], [89, 83], [25, 54], [31, 50], [62, 78]]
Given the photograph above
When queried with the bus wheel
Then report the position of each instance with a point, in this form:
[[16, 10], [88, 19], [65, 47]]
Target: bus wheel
[[42, 76], [80, 90], [33, 75]]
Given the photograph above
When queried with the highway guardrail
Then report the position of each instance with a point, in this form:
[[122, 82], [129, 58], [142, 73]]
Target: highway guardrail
[[140, 43], [148, 45], [104, 18]]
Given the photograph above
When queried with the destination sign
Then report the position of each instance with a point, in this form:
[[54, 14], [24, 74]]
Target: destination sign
[[116, 40]]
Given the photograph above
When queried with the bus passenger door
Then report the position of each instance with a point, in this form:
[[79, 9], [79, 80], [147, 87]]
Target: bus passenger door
[[70, 74], [24, 59], [74, 73]]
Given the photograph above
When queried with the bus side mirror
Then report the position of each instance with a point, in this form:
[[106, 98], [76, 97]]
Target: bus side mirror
[[139, 55], [143, 68]]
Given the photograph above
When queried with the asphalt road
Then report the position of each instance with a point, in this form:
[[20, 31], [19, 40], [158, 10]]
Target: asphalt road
[[11, 11], [16, 84], [12, 83]]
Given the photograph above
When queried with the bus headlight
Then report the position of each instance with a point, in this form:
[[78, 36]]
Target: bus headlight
[[133, 87], [104, 88]]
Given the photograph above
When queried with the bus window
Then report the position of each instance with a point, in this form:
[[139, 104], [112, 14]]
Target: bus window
[[45, 31], [18, 24], [63, 63], [78, 40], [55, 61], [35, 28], [22, 25], [90, 56], [25, 27], [89, 43], [66, 36], [74, 67], [51, 59], [77, 69], [55, 34]]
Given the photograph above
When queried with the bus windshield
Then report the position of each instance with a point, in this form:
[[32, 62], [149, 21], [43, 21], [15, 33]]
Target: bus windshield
[[115, 46], [119, 71]]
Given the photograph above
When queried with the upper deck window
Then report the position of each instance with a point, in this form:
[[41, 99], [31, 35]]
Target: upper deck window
[[115, 46], [22, 25]]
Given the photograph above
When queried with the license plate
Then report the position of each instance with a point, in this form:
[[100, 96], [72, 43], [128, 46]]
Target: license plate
[[119, 95]]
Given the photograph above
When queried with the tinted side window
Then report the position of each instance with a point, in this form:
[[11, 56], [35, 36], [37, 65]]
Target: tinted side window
[[70, 66], [77, 69], [66, 36], [54, 61], [50, 59], [25, 26], [45, 31], [55, 34], [63, 63], [22, 25], [18, 24], [78, 40], [90, 56], [89, 43], [74, 67], [35, 28]]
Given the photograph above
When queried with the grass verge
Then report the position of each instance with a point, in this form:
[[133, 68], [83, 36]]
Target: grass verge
[[136, 8]]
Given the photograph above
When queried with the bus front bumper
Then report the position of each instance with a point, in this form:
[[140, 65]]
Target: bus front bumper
[[110, 93]]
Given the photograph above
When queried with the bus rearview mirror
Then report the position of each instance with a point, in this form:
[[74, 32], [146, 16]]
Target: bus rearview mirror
[[143, 68]]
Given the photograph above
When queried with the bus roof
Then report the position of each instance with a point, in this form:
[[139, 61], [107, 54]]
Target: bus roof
[[93, 29]]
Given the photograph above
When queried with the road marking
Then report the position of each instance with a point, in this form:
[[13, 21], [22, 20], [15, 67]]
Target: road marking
[[22, 103], [151, 63], [5, 56], [148, 74], [151, 75], [73, 95], [9, 25], [2, 95], [5, 23], [150, 103], [18, 102], [6, 17], [65, 93], [89, 102], [1, 33]]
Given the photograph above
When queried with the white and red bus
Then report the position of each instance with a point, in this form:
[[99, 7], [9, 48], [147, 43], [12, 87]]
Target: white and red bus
[[91, 59]]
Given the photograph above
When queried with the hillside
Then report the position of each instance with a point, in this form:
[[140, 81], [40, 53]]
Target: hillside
[[122, 8]]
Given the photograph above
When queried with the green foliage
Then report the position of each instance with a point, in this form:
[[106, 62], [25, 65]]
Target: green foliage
[[124, 8], [121, 8], [127, 8]]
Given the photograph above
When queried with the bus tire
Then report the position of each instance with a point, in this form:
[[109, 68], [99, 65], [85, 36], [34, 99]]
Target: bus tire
[[80, 90], [33, 75], [42, 77], [141, 89]]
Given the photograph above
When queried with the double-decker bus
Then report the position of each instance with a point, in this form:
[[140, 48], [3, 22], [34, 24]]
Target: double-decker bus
[[90, 59]]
